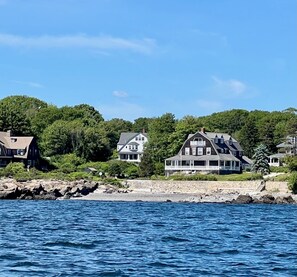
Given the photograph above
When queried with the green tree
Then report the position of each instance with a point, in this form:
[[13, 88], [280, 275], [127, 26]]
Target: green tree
[[184, 127], [248, 136], [114, 128], [260, 160], [87, 114], [146, 166], [94, 145], [16, 112], [56, 139], [160, 130], [141, 124]]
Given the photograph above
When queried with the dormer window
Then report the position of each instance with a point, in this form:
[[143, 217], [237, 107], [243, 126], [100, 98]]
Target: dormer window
[[13, 139]]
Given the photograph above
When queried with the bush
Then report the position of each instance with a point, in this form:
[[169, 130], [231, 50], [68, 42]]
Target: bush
[[240, 177], [113, 182], [131, 172], [292, 184], [279, 169], [291, 161], [12, 169], [195, 177]]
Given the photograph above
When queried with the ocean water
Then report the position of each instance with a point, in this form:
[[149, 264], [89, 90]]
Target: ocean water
[[90, 238]]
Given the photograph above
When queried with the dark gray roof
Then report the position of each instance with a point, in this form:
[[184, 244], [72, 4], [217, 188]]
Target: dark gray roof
[[126, 137]]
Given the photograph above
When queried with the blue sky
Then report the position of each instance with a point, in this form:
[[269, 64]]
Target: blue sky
[[143, 58]]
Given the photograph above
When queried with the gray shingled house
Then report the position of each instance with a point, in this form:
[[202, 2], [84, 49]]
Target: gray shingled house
[[207, 152], [17, 149]]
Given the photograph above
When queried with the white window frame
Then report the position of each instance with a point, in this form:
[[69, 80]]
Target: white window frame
[[200, 151]]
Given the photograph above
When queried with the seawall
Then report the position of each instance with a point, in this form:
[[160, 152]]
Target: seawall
[[241, 187]]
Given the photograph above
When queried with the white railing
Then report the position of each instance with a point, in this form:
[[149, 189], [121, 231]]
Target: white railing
[[200, 168]]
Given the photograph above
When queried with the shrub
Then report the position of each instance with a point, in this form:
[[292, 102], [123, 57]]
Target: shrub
[[12, 169], [131, 172], [195, 177], [279, 169], [292, 184], [112, 181], [291, 161], [240, 177]]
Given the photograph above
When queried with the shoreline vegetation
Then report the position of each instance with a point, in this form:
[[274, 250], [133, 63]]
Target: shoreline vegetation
[[233, 192]]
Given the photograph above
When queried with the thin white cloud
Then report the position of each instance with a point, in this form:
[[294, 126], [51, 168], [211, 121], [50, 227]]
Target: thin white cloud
[[120, 93], [233, 86], [144, 46], [30, 84]]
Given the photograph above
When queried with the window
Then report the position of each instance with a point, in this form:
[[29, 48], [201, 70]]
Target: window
[[186, 163], [199, 163], [208, 150], [213, 163], [20, 152], [194, 151], [187, 151], [200, 151]]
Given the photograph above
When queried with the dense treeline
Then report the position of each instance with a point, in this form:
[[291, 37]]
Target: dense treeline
[[82, 131]]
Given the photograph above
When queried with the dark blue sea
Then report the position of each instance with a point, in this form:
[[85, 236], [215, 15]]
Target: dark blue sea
[[90, 238]]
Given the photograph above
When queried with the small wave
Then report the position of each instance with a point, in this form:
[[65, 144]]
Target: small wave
[[112, 273], [71, 244], [175, 239]]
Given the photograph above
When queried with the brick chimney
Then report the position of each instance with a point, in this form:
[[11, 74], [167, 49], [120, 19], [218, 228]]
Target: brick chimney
[[202, 130]]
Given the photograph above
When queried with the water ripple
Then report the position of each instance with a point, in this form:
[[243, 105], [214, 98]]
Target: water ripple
[[89, 238]]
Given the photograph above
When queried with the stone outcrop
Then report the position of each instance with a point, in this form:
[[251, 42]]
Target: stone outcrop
[[45, 189], [264, 199]]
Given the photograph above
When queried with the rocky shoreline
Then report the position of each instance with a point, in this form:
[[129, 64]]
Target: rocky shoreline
[[90, 190], [45, 189]]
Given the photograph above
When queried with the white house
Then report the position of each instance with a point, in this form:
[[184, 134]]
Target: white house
[[131, 146], [286, 148]]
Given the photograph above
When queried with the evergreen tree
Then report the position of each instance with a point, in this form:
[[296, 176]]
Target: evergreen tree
[[260, 160], [248, 136], [146, 166]]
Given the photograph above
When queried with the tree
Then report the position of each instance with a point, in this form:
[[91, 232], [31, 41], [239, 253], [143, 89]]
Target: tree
[[248, 136], [56, 139], [141, 124], [114, 128], [146, 166], [260, 160], [94, 145], [184, 127], [16, 112], [160, 130], [86, 113]]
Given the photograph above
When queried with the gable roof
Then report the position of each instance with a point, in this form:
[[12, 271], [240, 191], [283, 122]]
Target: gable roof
[[126, 137], [15, 142]]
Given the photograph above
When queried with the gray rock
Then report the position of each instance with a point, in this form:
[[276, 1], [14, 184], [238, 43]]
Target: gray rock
[[243, 199]]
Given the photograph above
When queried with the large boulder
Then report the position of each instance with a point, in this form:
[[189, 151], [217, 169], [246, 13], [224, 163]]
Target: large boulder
[[243, 199], [267, 199]]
